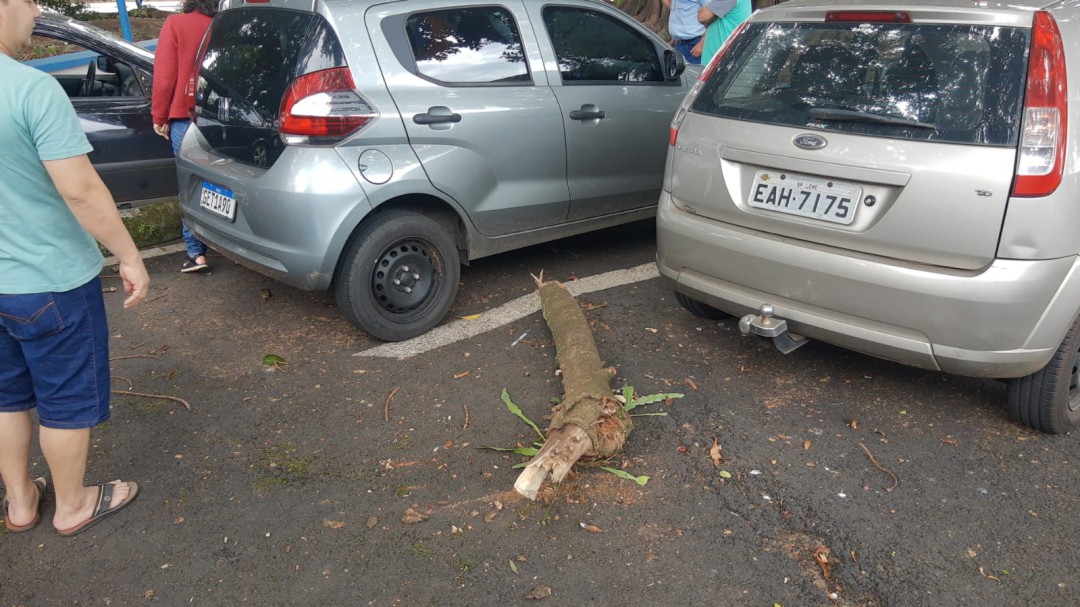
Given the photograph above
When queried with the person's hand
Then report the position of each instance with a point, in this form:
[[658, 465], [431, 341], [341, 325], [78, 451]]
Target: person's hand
[[696, 51], [136, 281], [162, 129]]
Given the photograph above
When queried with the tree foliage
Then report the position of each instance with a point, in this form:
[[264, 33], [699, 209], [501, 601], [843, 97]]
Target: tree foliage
[[72, 8]]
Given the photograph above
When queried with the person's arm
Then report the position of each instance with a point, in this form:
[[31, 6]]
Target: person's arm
[[666, 3], [714, 10], [165, 71], [93, 206]]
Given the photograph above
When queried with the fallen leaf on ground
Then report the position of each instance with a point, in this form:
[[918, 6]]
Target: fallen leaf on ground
[[463, 374], [333, 524], [690, 382], [539, 592], [806, 445], [591, 528], [513, 567], [988, 576], [471, 317], [412, 517], [372, 521], [714, 452], [273, 360]]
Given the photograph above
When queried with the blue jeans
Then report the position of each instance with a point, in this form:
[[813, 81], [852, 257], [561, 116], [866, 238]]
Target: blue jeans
[[54, 355], [194, 246], [684, 46]]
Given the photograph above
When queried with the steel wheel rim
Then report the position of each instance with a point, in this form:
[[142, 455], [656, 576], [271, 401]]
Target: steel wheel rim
[[405, 277]]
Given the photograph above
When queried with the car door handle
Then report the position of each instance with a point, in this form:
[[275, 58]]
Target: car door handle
[[587, 112], [438, 114]]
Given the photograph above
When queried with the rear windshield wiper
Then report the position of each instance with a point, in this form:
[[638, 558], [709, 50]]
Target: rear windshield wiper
[[821, 113]]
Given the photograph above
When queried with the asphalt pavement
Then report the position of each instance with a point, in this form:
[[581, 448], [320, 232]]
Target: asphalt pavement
[[332, 476]]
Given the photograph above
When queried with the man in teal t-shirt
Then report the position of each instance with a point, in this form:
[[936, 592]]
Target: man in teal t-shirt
[[721, 18], [53, 331]]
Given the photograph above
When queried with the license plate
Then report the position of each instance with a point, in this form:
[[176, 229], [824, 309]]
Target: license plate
[[824, 199], [218, 200]]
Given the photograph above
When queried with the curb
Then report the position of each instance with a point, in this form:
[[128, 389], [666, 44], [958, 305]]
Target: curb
[[151, 252]]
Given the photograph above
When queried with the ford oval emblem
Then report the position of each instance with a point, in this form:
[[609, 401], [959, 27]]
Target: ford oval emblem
[[809, 141]]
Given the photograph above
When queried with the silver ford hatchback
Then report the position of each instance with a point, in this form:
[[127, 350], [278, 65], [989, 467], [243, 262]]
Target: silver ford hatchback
[[372, 146], [898, 178]]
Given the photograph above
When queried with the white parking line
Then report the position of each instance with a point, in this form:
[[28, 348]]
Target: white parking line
[[151, 252], [505, 314]]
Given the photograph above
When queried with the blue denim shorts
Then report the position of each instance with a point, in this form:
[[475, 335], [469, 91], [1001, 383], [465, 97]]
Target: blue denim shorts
[[54, 355]]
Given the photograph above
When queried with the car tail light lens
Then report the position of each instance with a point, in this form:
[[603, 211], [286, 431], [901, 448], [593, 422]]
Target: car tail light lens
[[684, 107], [192, 86], [867, 17], [323, 108], [1041, 160]]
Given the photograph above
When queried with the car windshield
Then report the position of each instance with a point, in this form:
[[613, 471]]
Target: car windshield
[[953, 83]]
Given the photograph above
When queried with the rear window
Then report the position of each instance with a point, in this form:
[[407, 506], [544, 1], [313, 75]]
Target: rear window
[[253, 55], [950, 83]]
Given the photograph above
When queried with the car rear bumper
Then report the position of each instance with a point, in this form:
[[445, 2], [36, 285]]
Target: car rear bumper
[[291, 224], [1005, 320]]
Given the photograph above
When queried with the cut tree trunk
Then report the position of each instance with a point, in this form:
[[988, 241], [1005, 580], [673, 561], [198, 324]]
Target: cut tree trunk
[[589, 421]]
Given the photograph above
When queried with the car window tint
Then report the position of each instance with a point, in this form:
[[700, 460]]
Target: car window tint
[[592, 47], [252, 56], [467, 46], [961, 83], [112, 78]]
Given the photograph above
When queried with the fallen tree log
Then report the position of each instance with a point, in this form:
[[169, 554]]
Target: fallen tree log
[[589, 421]]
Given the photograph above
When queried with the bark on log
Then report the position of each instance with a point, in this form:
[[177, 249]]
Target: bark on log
[[589, 421]]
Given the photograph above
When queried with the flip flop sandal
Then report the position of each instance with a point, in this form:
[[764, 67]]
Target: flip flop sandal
[[104, 508], [40, 483]]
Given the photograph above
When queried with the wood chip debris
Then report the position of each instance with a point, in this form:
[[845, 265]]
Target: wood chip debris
[[411, 517]]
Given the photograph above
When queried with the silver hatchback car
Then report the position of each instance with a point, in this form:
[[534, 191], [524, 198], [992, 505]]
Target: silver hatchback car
[[898, 178], [371, 147]]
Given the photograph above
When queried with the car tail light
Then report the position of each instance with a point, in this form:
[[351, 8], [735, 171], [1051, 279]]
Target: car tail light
[[1041, 160], [867, 17], [192, 83], [684, 107], [323, 108]]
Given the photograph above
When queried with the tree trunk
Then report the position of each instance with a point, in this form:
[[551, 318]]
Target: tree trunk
[[589, 421], [651, 13]]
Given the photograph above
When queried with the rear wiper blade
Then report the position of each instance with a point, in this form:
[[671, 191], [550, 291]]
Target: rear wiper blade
[[821, 113]]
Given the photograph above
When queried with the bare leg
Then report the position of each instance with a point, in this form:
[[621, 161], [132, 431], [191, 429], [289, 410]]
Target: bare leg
[[16, 429], [66, 452]]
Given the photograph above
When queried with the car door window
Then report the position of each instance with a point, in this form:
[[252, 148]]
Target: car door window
[[463, 46], [111, 77], [592, 48]]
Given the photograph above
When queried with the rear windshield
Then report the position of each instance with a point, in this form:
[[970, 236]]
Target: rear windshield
[[951, 83], [251, 57]]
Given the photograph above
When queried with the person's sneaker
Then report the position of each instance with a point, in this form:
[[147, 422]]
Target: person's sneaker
[[192, 265]]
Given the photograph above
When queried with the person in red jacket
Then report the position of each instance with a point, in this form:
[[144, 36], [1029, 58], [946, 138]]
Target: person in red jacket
[[174, 66]]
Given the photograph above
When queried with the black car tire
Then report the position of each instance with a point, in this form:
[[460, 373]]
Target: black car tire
[[1049, 399], [699, 309], [399, 276]]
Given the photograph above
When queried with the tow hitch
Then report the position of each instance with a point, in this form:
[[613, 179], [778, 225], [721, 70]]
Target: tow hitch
[[766, 325]]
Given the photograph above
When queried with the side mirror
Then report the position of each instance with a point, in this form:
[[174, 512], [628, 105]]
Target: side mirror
[[104, 64], [674, 64]]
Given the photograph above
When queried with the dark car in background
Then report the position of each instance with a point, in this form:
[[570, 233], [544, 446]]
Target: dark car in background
[[109, 82]]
